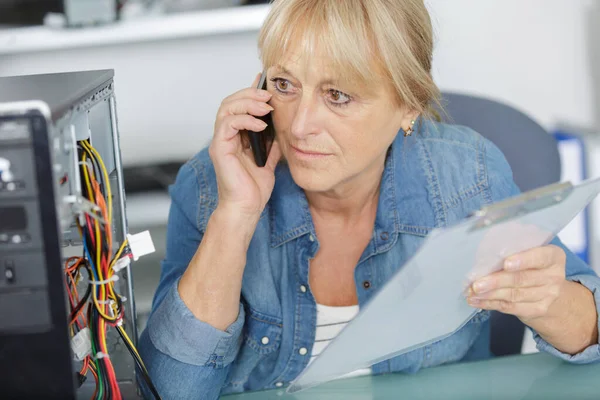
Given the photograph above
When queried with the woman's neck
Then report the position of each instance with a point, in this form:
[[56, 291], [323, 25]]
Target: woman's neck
[[350, 200]]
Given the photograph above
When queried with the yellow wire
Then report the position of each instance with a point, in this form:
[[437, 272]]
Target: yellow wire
[[97, 264], [118, 254], [110, 285], [95, 298], [126, 336], [90, 148], [89, 188], [105, 173], [103, 333], [86, 177], [98, 268], [111, 273]]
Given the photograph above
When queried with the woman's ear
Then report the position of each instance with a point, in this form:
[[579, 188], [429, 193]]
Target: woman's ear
[[409, 119]]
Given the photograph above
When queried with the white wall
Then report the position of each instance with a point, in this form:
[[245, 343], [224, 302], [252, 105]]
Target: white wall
[[170, 73], [535, 54]]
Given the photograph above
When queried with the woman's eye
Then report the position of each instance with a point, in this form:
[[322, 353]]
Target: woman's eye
[[338, 98], [282, 85]]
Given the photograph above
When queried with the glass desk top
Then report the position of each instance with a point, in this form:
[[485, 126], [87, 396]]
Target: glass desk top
[[528, 377]]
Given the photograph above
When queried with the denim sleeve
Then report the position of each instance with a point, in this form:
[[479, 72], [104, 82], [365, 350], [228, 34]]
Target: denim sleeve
[[186, 358], [502, 186]]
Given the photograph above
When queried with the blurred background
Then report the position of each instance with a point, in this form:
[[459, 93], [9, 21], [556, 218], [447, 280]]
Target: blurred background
[[175, 60]]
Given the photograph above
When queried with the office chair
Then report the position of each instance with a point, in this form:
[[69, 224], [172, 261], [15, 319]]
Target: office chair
[[533, 156]]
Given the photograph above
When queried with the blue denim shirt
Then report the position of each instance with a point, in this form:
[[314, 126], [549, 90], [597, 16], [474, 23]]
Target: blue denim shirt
[[432, 179]]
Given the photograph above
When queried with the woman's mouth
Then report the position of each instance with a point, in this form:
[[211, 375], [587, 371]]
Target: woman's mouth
[[308, 154]]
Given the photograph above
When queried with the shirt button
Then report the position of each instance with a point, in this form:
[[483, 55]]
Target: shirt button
[[366, 284], [303, 351], [384, 236], [311, 238], [279, 384], [265, 340], [303, 288]]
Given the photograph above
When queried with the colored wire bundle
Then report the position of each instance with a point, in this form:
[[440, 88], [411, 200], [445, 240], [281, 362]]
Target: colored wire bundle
[[100, 306]]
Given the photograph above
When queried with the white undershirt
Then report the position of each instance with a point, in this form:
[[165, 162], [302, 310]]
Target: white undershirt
[[330, 322]]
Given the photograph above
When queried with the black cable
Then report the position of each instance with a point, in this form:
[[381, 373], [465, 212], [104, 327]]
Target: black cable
[[97, 171], [93, 314], [90, 155], [81, 303], [84, 190], [99, 177], [141, 367], [105, 249], [86, 296]]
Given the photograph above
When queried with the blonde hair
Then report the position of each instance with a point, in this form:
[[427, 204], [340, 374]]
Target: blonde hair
[[363, 40]]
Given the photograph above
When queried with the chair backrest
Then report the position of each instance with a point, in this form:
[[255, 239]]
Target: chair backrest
[[533, 156], [529, 149]]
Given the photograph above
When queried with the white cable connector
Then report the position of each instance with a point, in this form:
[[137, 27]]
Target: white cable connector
[[123, 263], [113, 278], [111, 302], [140, 244], [81, 344], [100, 355]]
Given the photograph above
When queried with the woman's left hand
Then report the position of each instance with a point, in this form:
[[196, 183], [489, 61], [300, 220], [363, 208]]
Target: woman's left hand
[[527, 287]]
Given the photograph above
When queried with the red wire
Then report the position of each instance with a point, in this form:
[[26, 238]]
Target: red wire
[[105, 266], [91, 232], [72, 301], [75, 317], [110, 370], [70, 294]]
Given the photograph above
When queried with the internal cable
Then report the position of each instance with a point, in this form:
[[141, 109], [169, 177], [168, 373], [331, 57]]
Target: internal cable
[[100, 306]]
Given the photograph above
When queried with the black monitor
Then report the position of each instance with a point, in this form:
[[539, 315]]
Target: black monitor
[[27, 12], [34, 344]]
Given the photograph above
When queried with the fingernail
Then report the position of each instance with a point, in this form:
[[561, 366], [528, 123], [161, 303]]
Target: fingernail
[[482, 286], [512, 264], [267, 107], [264, 94], [474, 301], [262, 124]]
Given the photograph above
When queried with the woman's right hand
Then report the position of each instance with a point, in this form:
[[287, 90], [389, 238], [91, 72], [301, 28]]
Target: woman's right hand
[[244, 188]]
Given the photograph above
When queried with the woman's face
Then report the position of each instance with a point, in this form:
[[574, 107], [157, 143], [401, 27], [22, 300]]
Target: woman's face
[[331, 134]]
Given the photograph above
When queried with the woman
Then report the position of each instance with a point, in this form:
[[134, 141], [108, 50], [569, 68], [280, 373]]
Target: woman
[[262, 262]]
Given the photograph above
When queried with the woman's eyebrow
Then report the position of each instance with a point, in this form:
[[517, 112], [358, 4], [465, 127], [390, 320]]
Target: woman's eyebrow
[[284, 70], [325, 81]]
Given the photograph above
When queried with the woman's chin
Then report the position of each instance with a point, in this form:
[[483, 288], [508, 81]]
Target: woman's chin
[[312, 180]]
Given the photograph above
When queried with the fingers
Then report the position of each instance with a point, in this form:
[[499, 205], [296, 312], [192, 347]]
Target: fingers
[[528, 285], [521, 310], [514, 295], [237, 112], [251, 92], [244, 106], [537, 258], [507, 279], [232, 124]]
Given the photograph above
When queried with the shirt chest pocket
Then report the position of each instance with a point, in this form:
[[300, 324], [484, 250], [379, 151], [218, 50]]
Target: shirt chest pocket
[[257, 357], [455, 347]]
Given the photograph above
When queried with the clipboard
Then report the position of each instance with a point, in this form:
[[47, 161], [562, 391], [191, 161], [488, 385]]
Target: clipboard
[[424, 301]]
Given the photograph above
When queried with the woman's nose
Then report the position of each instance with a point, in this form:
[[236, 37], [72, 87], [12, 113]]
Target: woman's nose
[[305, 120]]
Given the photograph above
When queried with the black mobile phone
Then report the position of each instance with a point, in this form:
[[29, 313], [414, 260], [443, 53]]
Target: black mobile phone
[[261, 142]]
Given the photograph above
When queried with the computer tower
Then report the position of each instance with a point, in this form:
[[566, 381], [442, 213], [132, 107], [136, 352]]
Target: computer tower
[[45, 123]]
